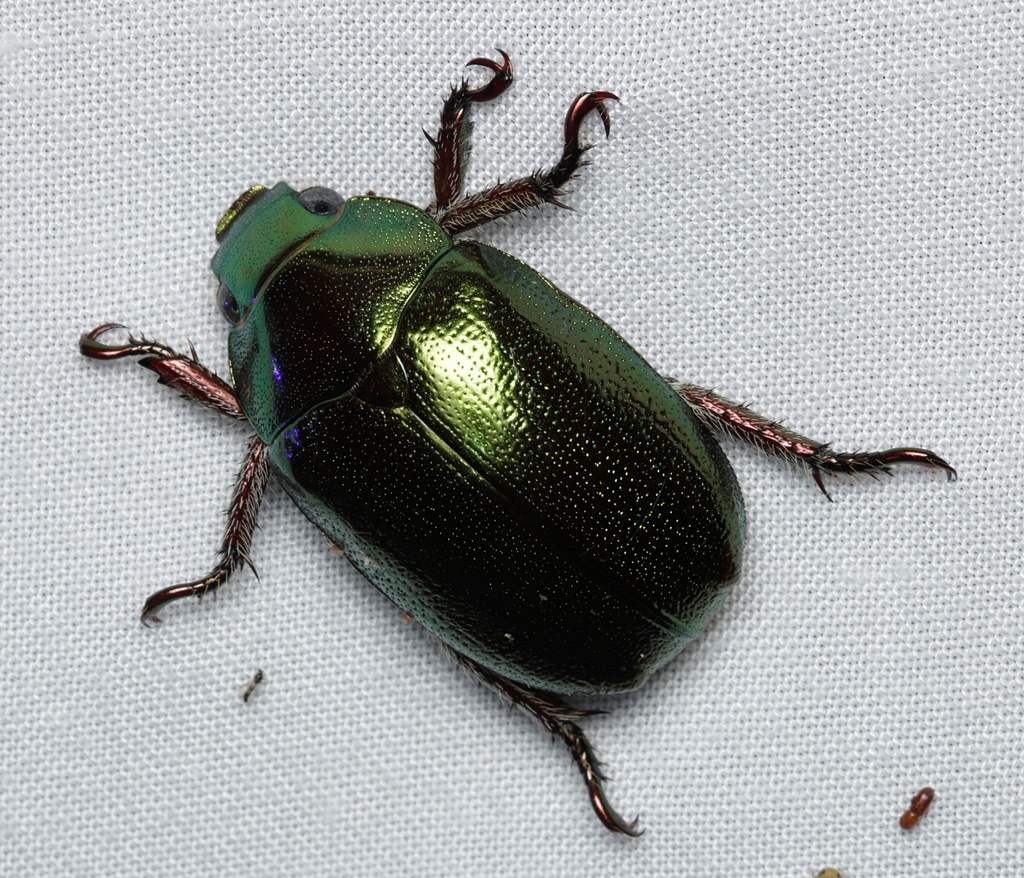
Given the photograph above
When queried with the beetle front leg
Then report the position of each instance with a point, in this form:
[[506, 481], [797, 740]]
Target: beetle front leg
[[543, 187], [197, 383], [185, 374], [725, 416], [559, 719], [234, 549], [451, 146]]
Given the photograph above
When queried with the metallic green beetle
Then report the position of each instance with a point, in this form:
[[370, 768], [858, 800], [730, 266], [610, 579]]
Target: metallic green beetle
[[488, 453]]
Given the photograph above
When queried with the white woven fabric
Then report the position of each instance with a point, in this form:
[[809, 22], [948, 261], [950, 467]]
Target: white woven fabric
[[809, 208]]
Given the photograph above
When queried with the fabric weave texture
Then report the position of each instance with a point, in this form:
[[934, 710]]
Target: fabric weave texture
[[813, 209]]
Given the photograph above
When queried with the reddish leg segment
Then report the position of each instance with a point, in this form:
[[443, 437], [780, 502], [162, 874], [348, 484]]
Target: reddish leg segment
[[451, 146], [185, 374], [543, 187], [724, 416], [559, 719], [199, 384], [234, 548]]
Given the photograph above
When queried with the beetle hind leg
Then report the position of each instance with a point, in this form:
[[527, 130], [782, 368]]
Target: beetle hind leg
[[818, 457], [543, 187], [559, 719], [234, 549]]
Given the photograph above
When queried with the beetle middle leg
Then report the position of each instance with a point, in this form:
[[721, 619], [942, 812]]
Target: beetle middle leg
[[234, 549], [725, 416], [559, 719], [199, 384]]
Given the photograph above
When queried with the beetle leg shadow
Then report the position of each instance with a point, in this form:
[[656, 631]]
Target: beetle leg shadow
[[724, 416], [560, 719]]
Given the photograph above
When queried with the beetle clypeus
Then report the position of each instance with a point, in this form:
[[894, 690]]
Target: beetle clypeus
[[488, 453]]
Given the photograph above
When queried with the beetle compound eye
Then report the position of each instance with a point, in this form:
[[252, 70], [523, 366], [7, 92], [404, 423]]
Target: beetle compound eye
[[321, 201], [229, 306]]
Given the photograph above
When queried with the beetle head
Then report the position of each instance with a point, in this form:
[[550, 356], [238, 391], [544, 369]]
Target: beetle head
[[260, 231]]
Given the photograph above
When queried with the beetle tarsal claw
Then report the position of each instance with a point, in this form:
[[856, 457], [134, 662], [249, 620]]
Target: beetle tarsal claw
[[608, 815], [586, 103], [594, 777], [501, 80], [89, 345]]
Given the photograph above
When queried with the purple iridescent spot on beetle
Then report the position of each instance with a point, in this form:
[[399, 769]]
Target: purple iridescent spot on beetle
[[292, 441]]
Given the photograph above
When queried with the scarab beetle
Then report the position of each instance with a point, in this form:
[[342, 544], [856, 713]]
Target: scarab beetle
[[488, 453]]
